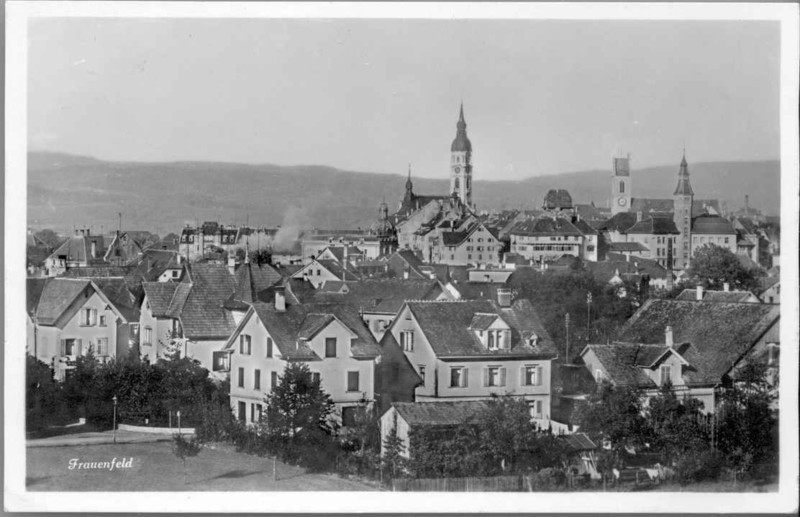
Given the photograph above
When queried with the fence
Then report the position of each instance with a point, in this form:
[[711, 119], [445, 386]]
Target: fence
[[476, 484]]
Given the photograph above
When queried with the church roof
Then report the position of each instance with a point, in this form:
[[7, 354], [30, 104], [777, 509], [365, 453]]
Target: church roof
[[461, 142], [684, 188]]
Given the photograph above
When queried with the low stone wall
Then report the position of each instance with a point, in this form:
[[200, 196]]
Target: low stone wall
[[155, 430]]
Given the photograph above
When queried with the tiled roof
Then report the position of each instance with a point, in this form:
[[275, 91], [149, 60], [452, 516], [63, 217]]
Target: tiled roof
[[626, 246], [166, 298], [589, 211], [604, 271], [584, 227], [546, 226], [96, 272], [203, 315], [482, 321], [33, 292], [57, 295], [384, 295], [716, 296], [441, 413], [479, 290], [619, 361], [78, 248], [117, 291], [342, 272], [719, 333], [655, 226], [252, 280], [446, 327], [289, 328], [700, 206], [712, 224]]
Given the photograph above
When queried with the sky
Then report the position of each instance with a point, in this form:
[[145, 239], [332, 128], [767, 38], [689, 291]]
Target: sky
[[540, 96]]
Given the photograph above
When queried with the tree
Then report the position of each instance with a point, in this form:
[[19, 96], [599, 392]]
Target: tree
[[675, 425], [257, 256], [183, 448], [393, 460], [614, 413], [49, 238], [714, 265], [297, 422], [747, 425], [44, 403]]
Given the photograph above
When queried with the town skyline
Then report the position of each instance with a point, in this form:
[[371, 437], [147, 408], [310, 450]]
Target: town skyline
[[610, 97]]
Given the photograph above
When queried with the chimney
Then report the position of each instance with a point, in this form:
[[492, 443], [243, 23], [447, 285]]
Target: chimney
[[504, 297], [231, 263], [280, 298], [726, 287], [699, 293], [668, 336]]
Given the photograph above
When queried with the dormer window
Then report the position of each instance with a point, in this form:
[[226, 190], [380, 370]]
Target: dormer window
[[665, 374]]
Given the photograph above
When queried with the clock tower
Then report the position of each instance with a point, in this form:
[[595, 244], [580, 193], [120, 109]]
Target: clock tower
[[621, 185], [461, 163]]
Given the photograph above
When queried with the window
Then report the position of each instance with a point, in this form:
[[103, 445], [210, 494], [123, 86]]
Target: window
[[407, 340], [88, 317], [621, 187], [351, 415], [102, 346], [314, 377], [318, 272], [422, 373], [269, 347], [352, 381], [536, 409], [147, 338], [666, 371], [241, 377], [273, 379], [259, 412], [773, 354], [330, 347], [257, 380], [221, 361], [458, 377], [598, 375], [532, 375], [494, 376], [244, 344], [242, 411], [492, 345], [102, 320]]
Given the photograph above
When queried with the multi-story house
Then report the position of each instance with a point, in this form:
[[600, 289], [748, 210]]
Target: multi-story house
[[472, 350], [712, 229], [655, 233], [319, 271], [334, 342], [67, 317], [190, 315], [697, 347], [81, 250], [473, 243]]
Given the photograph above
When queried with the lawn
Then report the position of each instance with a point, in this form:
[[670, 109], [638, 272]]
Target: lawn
[[155, 468]]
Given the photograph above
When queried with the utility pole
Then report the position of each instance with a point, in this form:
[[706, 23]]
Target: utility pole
[[566, 323], [588, 315], [115, 418]]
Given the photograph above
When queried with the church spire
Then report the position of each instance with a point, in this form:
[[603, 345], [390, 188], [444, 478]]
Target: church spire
[[684, 188]]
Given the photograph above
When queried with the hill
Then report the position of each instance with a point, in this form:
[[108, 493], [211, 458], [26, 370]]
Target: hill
[[66, 190]]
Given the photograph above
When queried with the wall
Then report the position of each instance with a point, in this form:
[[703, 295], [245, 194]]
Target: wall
[[317, 274], [161, 328], [547, 248], [422, 353]]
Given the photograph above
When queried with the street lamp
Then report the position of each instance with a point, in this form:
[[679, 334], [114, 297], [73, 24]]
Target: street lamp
[[115, 418]]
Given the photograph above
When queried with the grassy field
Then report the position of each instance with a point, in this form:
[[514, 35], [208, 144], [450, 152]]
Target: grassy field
[[155, 468]]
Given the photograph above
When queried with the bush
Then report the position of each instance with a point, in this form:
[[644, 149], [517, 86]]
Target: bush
[[694, 467], [548, 479]]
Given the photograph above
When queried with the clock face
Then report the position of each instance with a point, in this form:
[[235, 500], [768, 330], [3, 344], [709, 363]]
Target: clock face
[[458, 169], [622, 201]]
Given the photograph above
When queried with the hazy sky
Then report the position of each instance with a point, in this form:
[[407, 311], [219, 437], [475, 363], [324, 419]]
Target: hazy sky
[[540, 97]]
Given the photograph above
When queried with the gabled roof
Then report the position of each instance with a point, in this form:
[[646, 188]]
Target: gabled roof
[[340, 253], [254, 279], [408, 259], [78, 248], [116, 290], [584, 227], [546, 226], [33, 291], [446, 326], [56, 296], [441, 413], [483, 321], [716, 296], [124, 248], [203, 315], [290, 329], [577, 442], [557, 199], [166, 298], [618, 264], [719, 333]]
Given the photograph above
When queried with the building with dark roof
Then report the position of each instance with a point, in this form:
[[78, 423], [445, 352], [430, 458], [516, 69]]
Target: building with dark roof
[[697, 347], [68, 317], [81, 250], [190, 315], [330, 338], [470, 350], [548, 238], [725, 296]]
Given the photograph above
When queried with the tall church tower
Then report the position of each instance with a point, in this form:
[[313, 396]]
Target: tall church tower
[[621, 185], [461, 163], [682, 205]]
